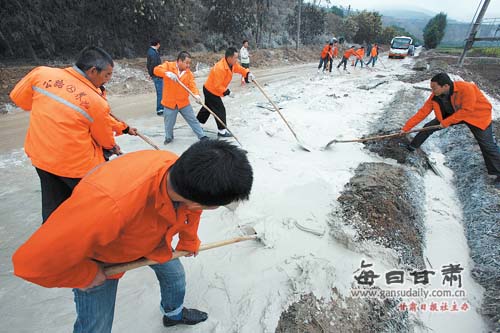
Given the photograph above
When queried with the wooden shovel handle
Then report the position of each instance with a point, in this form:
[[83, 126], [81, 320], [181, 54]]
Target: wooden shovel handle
[[380, 137], [208, 109], [275, 107], [142, 136], [120, 268]]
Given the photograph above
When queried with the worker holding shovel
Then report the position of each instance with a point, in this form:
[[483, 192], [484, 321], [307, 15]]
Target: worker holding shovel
[[175, 98], [70, 123], [127, 209], [216, 87], [458, 102]]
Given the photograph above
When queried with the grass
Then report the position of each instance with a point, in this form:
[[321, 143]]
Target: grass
[[475, 51]]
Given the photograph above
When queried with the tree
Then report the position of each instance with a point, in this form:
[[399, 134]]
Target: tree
[[312, 22], [369, 26], [434, 30], [337, 11], [348, 29], [388, 33]]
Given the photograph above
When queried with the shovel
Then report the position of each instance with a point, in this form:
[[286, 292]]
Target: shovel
[[281, 115], [208, 109], [382, 137], [142, 136], [121, 268]]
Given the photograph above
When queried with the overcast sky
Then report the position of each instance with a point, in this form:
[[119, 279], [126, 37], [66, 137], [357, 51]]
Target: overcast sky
[[462, 10]]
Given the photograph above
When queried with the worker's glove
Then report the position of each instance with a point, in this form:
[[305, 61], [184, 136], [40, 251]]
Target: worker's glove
[[110, 152], [172, 76], [197, 99], [250, 77], [130, 130], [226, 93]]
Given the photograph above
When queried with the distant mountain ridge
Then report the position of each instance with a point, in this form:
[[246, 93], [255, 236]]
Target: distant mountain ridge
[[415, 21]]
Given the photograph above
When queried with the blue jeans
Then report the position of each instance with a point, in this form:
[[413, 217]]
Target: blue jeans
[[158, 81], [372, 61], [170, 116], [359, 60], [95, 307]]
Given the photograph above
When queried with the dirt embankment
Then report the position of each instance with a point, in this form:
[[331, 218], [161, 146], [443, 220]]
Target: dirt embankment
[[343, 315], [383, 204], [130, 75], [481, 212]]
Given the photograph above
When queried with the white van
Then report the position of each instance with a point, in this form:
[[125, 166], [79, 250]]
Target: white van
[[401, 46]]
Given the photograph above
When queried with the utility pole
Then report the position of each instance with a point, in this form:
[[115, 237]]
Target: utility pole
[[298, 26], [472, 36]]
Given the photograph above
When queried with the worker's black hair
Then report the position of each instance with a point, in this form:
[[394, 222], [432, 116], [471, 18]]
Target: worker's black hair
[[183, 55], [230, 52], [442, 79], [212, 173], [244, 41], [94, 56], [154, 41]]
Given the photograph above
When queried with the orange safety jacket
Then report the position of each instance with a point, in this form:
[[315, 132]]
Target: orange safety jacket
[[468, 102], [326, 51], [109, 220], [361, 53], [350, 52], [173, 93], [374, 51], [117, 126], [221, 75], [69, 121], [335, 51]]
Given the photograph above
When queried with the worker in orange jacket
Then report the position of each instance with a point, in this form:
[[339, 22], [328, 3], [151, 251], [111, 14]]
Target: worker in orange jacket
[[373, 55], [108, 221], [345, 57], [326, 55], [457, 102], [335, 51], [216, 87], [361, 53], [70, 123], [175, 98]]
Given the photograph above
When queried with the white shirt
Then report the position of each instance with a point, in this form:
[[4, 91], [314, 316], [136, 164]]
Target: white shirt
[[245, 57]]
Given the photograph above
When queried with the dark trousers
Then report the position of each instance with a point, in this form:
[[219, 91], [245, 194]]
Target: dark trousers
[[343, 61], [324, 61], [484, 138], [55, 190], [215, 104]]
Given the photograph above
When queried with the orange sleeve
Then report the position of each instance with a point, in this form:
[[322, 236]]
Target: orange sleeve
[[22, 94], [188, 235], [420, 115], [117, 126], [101, 129], [59, 253], [237, 68], [468, 104], [160, 70]]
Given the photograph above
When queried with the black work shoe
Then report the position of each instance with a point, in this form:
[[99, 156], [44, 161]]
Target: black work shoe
[[204, 138], [225, 135], [159, 113], [167, 141], [407, 146], [189, 317]]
